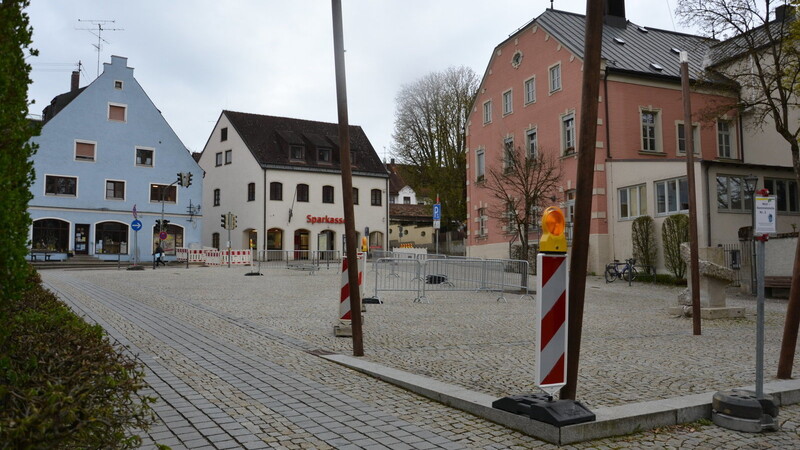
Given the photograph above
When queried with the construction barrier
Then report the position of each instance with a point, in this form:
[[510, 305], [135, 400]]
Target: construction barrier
[[237, 257], [344, 327], [551, 335], [194, 255], [212, 257]]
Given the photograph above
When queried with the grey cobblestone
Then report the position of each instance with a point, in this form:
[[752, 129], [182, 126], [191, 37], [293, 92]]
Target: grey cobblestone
[[232, 347]]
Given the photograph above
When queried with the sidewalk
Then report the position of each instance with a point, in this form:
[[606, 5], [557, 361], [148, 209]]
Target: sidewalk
[[232, 356]]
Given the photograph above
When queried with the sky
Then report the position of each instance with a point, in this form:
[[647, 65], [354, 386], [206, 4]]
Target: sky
[[195, 58]]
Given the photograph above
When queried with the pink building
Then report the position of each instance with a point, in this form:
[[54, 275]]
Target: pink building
[[530, 98]]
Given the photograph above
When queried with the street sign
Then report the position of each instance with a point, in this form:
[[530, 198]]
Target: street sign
[[135, 214], [136, 225], [162, 235], [437, 211], [437, 224], [765, 214]]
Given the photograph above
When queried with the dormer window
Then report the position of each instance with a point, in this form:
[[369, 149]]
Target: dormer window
[[324, 155], [297, 152]]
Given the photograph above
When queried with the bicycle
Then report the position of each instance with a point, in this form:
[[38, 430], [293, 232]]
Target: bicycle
[[628, 272]]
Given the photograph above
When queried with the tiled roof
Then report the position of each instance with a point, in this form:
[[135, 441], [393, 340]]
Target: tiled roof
[[268, 138], [410, 212], [396, 181], [632, 48], [58, 103]]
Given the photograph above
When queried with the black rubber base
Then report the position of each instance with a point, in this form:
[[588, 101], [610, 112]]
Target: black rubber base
[[543, 408]]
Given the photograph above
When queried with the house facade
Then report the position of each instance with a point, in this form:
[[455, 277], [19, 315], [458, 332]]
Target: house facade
[[529, 101], [281, 178], [107, 156]]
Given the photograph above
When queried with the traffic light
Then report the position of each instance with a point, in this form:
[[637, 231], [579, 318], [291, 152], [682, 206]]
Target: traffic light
[[180, 178], [188, 179], [224, 222], [553, 239], [233, 222], [164, 223]]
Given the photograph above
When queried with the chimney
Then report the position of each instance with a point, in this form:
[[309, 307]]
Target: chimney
[[783, 12], [392, 162], [76, 81], [615, 14]]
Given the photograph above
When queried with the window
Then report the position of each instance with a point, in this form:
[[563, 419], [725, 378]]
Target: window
[[375, 197], [228, 156], [327, 194], [785, 192], [251, 192], [532, 142], [672, 196], [115, 190], [650, 131], [568, 133], [297, 152], [215, 240], [50, 234], [302, 193], [355, 196], [85, 151], [276, 190], [508, 106], [217, 197], [406, 200], [632, 202], [724, 145], [324, 155], [569, 214], [223, 134], [508, 154], [144, 157], [682, 139], [480, 165], [487, 111], [117, 112], [170, 193], [111, 238], [118, 85], [530, 90], [555, 78], [58, 185], [482, 221], [219, 159], [732, 194]]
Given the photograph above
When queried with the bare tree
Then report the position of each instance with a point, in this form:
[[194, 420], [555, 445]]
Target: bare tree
[[429, 136], [762, 59], [523, 185]]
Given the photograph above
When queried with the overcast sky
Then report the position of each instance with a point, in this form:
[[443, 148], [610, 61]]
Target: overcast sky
[[195, 58]]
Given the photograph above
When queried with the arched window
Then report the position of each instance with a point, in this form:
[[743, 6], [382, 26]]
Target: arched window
[[327, 194], [174, 239], [51, 235], [111, 238], [276, 190], [215, 240], [302, 193]]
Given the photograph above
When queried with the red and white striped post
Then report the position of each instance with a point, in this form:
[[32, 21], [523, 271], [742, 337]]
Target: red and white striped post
[[344, 326], [551, 335]]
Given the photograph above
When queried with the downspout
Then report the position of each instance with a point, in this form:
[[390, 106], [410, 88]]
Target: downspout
[[608, 127], [706, 167], [264, 209], [386, 228]]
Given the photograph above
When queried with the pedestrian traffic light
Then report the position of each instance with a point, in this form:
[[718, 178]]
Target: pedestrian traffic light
[[224, 221], [553, 239]]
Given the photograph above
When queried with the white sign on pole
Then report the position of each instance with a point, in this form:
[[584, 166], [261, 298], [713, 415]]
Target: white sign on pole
[[765, 214]]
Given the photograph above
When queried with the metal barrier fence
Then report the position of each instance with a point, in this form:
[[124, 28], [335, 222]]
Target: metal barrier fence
[[447, 274], [328, 259]]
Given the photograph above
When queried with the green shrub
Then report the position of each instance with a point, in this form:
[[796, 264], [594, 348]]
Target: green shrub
[[643, 235], [62, 383], [675, 231]]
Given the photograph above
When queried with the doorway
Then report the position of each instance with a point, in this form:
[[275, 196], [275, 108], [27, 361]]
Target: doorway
[[81, 238]]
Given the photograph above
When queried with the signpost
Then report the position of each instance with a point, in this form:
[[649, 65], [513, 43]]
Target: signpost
[[136, 225], [437, 221]]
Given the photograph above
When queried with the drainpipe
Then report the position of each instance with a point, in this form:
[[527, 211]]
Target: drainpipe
[[608, 126], [264, 209], [705, 166]]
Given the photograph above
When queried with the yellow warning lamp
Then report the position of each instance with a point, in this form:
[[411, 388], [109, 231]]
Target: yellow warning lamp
[[364, 247], [553, 239]]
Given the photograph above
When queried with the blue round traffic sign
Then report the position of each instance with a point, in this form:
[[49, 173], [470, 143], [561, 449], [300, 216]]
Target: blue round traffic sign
[[136, 225]]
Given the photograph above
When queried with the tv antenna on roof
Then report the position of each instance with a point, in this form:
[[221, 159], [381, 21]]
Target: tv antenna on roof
[[101, 26]]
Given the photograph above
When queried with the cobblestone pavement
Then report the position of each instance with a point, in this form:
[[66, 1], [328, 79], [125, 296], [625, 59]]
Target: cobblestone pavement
[[232, 359]]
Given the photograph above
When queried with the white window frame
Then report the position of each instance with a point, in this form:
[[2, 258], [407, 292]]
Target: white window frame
[[217, 197], [635, 201], [124, 112], [508, 102], [532, 142], [529, 90], [656, 130], [75, 150], [49, 194], [508, 149], [482, 223], [726, 185], [228, 157], [487, 112], [726, 142], [124, 189], [218, 159], [136, 156], [569, 144], [119, 85], [480, 164], [554, 77], [675, 184], [695, 135]]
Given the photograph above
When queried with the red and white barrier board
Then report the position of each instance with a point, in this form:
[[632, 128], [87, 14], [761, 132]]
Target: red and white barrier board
[[344, 298], [237, 257], [194, 255], [551, 334], [212, 257]]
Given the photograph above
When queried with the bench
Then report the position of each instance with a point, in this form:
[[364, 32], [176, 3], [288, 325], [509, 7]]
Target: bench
[[783, 283], [43, 253], [310, 268]]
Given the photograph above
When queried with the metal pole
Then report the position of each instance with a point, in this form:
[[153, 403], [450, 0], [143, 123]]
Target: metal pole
[[230, 216], [583, 201], [347, 178], [760, 256], [693, 245]]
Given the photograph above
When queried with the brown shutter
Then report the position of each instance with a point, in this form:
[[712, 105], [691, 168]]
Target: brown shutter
[[84, 150], [116, 113]]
